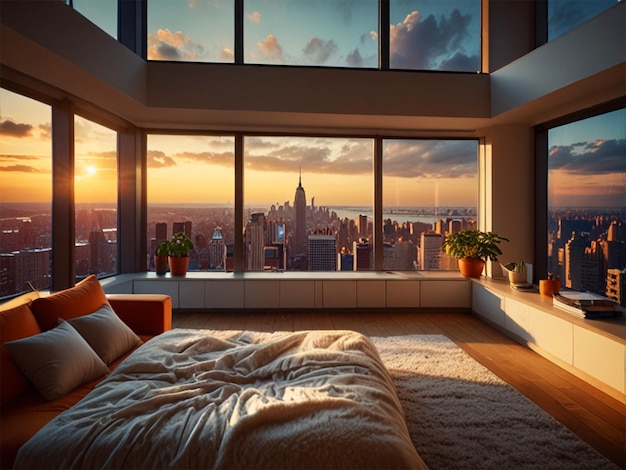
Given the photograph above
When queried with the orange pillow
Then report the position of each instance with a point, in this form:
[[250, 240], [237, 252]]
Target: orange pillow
[[84, 298], [15, 323]]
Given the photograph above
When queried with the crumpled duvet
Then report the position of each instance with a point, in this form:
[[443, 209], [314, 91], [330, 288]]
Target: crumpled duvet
[[249, 400]]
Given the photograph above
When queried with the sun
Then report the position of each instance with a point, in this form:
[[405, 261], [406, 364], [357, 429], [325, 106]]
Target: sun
[[91, 170]]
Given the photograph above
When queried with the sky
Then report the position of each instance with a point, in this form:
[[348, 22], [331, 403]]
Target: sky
[[587, 162], [425, 34], [334, 171]]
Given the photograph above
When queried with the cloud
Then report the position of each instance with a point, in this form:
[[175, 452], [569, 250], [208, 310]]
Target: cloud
[[158, 159], [13, 129], [255, 17], [430, 159], [270, 49], [227, 55], [431, 44], [19, 168], [354, 59], [167, 45], [319, 156], [319, 51], [405, 159], [209, 158], [589, 158], [19, 157], [45, 131]]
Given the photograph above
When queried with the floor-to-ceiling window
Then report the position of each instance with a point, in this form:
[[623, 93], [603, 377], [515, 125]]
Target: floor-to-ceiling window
[[25, 194], [95, 198], [191, 189], [586, 201], [430, 188], [308, 202]]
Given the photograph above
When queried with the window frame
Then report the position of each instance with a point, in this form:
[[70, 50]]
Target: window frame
[[541, 176]]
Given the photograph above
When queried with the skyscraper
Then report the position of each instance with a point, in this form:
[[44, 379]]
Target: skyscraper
[[322, 253], [217, 250], [254, 242], [430, 251], [300, 205]]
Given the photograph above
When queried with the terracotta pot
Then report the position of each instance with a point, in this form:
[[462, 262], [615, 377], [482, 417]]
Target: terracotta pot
[[549, 286], [160, 265], [471, 267], [179, 265]]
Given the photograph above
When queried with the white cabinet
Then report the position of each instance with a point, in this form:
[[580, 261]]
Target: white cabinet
[[403, 293], [594, 350], [445, 294], [305, 290], [488, 304]]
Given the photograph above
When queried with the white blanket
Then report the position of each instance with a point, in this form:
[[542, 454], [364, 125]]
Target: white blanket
[[210, 399]]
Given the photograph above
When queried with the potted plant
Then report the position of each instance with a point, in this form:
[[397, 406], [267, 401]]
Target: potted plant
[[473, 248], [516, 272], [179, 247], [161, 257]]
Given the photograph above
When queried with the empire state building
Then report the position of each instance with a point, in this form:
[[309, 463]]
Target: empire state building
[[300, 205]]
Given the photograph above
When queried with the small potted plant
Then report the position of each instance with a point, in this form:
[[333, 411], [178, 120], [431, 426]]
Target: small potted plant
[[516, 272], [473, 248], [179, 247], [161, 257]]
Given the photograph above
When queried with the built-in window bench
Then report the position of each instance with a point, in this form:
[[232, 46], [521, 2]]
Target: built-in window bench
[[302, 290], [594, 350]]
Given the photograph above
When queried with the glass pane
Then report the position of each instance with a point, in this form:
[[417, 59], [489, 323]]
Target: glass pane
[[587, 203], [95, 197], [191, 30], [191, 189], [102, 13], [430, 187], [340, 33], [303, 198], [435, 35], [25, 194], [564, 15]]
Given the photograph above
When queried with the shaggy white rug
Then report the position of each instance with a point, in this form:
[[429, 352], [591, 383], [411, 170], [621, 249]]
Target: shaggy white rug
[[462, 416]]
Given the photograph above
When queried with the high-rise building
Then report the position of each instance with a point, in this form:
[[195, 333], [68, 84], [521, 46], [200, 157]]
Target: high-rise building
[[217, 250], [322, 253], [184, 227], [430, 251], [616, 285], [299, 203], [255, 256], [363, 255], [574, 252], [362, 225], [454, 225], [160, 232]]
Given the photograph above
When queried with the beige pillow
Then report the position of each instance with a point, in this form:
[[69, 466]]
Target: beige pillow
[[106, 333], [56, 361]]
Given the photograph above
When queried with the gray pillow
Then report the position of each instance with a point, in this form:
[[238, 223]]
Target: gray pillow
[[106, 333], [56, 361]]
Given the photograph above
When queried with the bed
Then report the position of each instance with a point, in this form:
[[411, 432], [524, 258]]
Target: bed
[[235, 399]]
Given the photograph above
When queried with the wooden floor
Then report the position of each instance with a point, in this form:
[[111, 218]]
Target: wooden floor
[[594, 416]]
